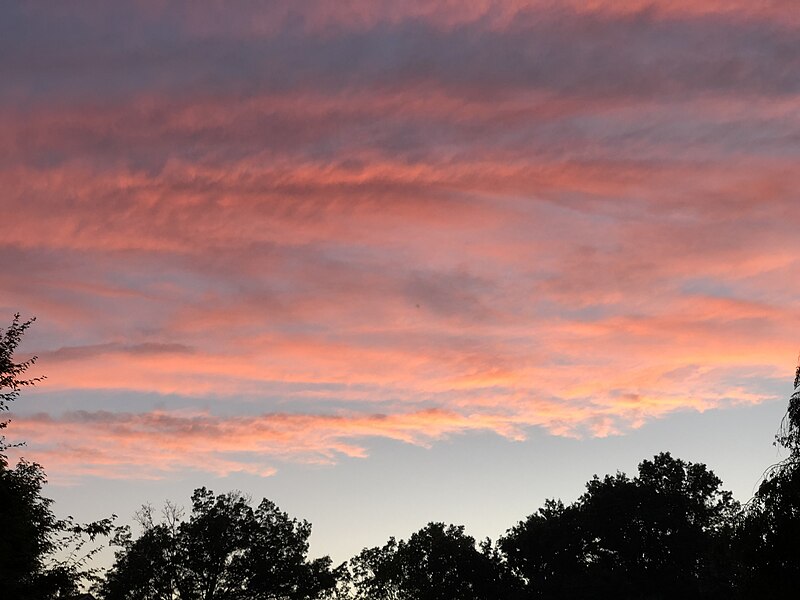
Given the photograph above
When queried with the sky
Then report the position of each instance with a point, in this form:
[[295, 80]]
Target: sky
[[393, 262]]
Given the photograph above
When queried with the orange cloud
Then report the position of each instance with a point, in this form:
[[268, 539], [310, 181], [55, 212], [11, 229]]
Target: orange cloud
[[576, 216], [154, 444]]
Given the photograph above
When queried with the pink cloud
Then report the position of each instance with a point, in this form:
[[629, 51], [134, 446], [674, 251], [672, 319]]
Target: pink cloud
[[155, 444], [403, 220]]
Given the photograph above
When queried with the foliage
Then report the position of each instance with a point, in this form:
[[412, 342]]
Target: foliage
[[789, 434], [767, 539], [27, 526], [225, 550], [41, 556], [658, 535], [11, 373], [547, 552], [769, 556], [436, 563]]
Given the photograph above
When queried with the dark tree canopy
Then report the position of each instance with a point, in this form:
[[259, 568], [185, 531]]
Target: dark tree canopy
[[436, 563], [26, 540], [26, 521], [225, 550], [12, 373], [41, 556], [789, 434], [661, 534], [547, 552], [769, 552]]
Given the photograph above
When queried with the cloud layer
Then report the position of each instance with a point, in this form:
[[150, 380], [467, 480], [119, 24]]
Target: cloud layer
[[367, 220]]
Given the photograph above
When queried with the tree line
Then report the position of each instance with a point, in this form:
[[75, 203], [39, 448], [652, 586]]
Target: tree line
[[668, 531]]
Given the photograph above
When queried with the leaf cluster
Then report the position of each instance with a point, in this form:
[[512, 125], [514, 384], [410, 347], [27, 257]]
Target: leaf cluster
[[437, 562], [226, 549], [11, 373]]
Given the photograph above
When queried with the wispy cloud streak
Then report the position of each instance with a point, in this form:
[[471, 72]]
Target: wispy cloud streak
[[405, 220]]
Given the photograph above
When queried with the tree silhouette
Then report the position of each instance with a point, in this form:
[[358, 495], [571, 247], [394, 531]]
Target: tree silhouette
[[225, 550], [26, 540], [146, 567], [41, 556], [770, 528], [547, 552], [661, 534], [436, 563], [26, 517], [11, 374]]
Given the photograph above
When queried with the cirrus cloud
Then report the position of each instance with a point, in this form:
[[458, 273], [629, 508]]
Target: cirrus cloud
[[412, 221]]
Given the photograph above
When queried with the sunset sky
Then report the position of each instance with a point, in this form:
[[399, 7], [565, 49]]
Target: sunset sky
[[387, 262]]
